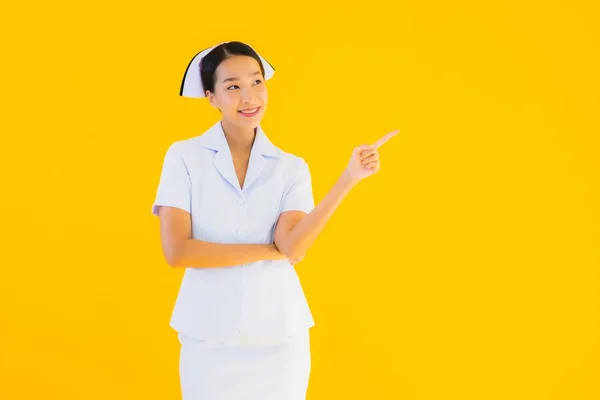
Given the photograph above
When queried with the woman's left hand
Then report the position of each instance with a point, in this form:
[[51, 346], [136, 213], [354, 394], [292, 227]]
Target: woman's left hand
[[364, 161], [297, 259]]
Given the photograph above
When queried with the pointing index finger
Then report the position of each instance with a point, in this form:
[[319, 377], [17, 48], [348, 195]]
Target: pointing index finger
[[384, 139]]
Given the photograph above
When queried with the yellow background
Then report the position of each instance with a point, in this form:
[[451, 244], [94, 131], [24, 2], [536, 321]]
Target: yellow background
[[467, 268]]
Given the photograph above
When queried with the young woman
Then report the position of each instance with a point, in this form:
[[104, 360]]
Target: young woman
[[237, 213]]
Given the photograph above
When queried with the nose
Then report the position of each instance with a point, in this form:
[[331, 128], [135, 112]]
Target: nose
[[247, 95]]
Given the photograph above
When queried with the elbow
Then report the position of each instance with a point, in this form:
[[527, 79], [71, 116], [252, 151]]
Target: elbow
[[173, 256], [292, 249], [297, 255], [172, 262], [284, 248], [292, 253]]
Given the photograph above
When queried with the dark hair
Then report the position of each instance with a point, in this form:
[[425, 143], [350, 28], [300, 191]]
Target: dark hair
[[211, 61]]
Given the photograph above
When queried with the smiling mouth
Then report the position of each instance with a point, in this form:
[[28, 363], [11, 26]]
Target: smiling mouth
[[250, 112]]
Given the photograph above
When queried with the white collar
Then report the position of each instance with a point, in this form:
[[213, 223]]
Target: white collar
[[214, 138]]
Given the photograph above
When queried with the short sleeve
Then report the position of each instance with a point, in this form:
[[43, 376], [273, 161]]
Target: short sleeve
[[300, 195], [174, 187]]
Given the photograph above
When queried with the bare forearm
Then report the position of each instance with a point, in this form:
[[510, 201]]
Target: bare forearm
[[305, 232], [201, 254]]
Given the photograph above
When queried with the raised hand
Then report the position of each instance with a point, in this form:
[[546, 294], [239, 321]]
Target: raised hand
[[364, 161]]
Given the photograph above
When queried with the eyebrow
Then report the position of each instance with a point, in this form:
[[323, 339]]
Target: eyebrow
[[235, 78]]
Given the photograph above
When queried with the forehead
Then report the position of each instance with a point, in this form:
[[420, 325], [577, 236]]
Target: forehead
[[237, 66]]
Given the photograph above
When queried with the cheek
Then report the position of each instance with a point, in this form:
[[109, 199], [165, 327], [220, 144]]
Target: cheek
[[263, 96], [229, 101]]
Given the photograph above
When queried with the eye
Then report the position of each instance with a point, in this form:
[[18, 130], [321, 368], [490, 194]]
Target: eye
[[231, 87], [259, 81]]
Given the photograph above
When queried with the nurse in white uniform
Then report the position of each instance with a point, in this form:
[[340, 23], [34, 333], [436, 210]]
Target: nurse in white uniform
[[237, 213]]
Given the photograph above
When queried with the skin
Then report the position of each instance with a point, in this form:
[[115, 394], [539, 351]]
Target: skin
[[239, 84], [296, 231]]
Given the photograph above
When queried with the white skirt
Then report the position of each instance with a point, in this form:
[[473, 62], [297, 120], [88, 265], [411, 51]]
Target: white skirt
[[245, 369]]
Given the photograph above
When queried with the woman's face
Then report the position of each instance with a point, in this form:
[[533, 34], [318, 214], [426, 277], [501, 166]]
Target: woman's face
[[240, 85]]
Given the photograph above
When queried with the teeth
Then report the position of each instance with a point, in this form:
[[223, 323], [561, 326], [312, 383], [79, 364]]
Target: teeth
[[249, 111]]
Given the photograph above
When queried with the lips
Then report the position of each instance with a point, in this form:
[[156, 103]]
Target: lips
[[249, 112]]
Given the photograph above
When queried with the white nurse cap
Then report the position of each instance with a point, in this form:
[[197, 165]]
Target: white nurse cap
[[191, 86]]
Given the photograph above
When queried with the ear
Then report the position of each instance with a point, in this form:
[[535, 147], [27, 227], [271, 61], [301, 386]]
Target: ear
[[211, 98]]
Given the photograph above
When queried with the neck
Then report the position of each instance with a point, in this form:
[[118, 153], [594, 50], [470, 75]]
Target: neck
[[240, 140]]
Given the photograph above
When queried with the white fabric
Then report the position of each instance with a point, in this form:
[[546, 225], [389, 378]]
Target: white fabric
[[244, 369], [264, 299], [191, 85]]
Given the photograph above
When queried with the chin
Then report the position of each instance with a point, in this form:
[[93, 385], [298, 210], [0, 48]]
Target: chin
[[250, 122]]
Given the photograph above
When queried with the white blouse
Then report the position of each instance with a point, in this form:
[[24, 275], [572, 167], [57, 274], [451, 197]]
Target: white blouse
[[263, 299]]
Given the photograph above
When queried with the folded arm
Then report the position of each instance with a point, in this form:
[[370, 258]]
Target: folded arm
[[180, 250], [296, 231]]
